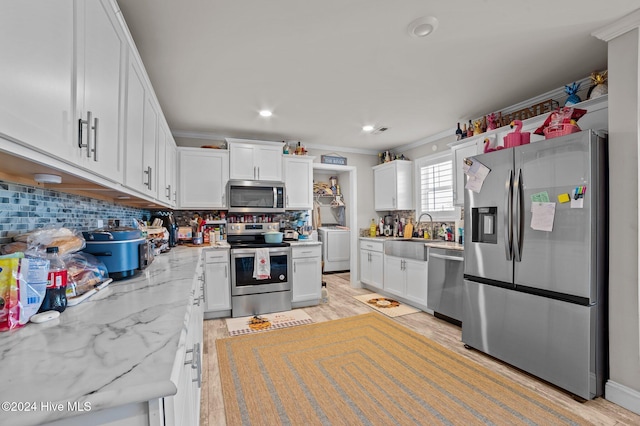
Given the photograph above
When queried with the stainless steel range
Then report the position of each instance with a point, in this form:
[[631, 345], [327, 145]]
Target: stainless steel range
[[251, 295]]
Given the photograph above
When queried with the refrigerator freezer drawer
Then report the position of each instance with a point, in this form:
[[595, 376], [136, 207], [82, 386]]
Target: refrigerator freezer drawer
[[548, 338]]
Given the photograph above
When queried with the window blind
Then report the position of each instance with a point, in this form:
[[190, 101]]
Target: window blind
[[436, 187]]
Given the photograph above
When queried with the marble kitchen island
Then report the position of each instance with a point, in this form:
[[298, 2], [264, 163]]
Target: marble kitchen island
[[116, 358]]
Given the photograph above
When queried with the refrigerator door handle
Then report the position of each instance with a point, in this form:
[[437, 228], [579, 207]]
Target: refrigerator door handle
[[508, 216], [518, 217]]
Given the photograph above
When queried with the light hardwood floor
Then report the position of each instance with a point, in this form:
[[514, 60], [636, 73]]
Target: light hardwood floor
[[342, 304]]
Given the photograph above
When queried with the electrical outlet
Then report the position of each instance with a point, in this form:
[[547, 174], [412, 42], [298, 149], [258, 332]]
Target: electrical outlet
[[99, 223]]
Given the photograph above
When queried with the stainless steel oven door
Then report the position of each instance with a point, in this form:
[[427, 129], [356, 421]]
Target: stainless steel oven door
[[242, 263]]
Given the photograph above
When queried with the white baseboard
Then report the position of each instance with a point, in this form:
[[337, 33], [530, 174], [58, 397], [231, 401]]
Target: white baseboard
[[623, 396]]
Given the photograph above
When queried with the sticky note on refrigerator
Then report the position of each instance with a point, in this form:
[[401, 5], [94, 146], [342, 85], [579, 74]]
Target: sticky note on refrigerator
[[540, 197], [476, 174], [564, 198], [542, 215]]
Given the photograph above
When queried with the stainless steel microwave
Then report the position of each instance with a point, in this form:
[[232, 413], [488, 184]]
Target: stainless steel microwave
[[255, 196]]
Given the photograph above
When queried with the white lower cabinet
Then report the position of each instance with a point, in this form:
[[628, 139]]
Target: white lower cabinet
[[183, 408], [217, 283], [306, 275], [371, 263], [407, 279]]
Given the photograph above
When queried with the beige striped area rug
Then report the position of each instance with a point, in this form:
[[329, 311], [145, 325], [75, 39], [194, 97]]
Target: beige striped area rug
[[367, 369]]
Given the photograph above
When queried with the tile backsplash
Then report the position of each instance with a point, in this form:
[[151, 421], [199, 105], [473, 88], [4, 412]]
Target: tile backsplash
[[24, 208]]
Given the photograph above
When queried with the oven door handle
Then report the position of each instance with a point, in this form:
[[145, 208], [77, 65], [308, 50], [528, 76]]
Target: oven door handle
[[250, 251]]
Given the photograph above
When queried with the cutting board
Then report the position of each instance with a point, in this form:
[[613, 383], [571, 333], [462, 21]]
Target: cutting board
[[408, 230]]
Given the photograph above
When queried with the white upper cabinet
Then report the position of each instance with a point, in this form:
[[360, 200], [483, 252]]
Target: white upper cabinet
[[298, 178], [171, 166], [202, 178], [57, 50], [134, 126], [37, 84], [255, 160], [461, 151], [150, 148], [166, 166], [141, 133], [100, 53], [393, 185]]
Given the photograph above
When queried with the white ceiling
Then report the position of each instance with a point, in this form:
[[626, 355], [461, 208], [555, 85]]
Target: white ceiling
[[326, 68]]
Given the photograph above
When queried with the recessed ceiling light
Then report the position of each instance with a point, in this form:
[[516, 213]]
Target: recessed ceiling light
[[265, 113], [47, 178], [367, 128], [123, 197], [422, 26]]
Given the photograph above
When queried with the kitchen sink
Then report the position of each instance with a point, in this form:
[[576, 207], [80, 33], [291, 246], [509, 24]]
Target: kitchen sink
[[408, 249]]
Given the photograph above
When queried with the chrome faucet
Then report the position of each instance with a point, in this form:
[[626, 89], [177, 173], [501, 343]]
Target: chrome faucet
[[430, 226]]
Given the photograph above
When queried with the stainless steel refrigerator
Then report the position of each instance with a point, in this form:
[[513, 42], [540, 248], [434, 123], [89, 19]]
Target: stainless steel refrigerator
[[537, 298]]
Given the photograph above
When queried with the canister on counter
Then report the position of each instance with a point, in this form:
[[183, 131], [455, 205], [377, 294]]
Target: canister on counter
[[197, 239]]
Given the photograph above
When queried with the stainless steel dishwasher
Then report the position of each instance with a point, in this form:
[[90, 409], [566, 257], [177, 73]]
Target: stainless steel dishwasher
[[445, 282]]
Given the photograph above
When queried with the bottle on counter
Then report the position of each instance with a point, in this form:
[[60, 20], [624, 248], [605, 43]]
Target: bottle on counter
[[381, 226], [55, 297], [458, 132], [372, 228]]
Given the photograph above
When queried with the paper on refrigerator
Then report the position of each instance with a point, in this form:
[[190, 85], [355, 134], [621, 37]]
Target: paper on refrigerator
[[542, 215], [476, 173]]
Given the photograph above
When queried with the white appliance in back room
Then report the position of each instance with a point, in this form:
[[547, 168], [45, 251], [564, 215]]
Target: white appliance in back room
[[335, 247]]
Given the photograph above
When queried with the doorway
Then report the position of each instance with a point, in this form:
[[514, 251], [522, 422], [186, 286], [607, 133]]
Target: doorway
[[347, 177]]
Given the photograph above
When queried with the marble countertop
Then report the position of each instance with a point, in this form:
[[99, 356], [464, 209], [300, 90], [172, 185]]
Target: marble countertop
[[120, 346], [429, 243]]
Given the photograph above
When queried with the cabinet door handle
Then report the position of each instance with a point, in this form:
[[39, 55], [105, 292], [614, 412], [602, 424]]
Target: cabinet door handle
[[95, 139], [222, 200], [225, 271], [258, 172], [294, 267], [393, 201], [254, 172], [82, 122], [198, 366], [148, 173], [287, 200], [175, 196]]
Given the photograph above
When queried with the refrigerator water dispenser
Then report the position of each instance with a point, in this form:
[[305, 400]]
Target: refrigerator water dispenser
[[483, 225]]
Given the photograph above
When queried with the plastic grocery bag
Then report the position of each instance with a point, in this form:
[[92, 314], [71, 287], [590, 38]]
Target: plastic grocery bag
[[9, 303], [32, 285], [23, 284]]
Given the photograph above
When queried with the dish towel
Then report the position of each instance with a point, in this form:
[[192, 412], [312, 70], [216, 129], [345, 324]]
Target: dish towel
[[261, 264]]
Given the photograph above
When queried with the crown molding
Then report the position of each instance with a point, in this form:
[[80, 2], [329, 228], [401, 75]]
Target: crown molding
[[197, 135], [619, 27], [433, 138], [342, 149]]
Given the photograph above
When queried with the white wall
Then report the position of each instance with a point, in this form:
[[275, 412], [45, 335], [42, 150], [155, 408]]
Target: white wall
[[624, 104]]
